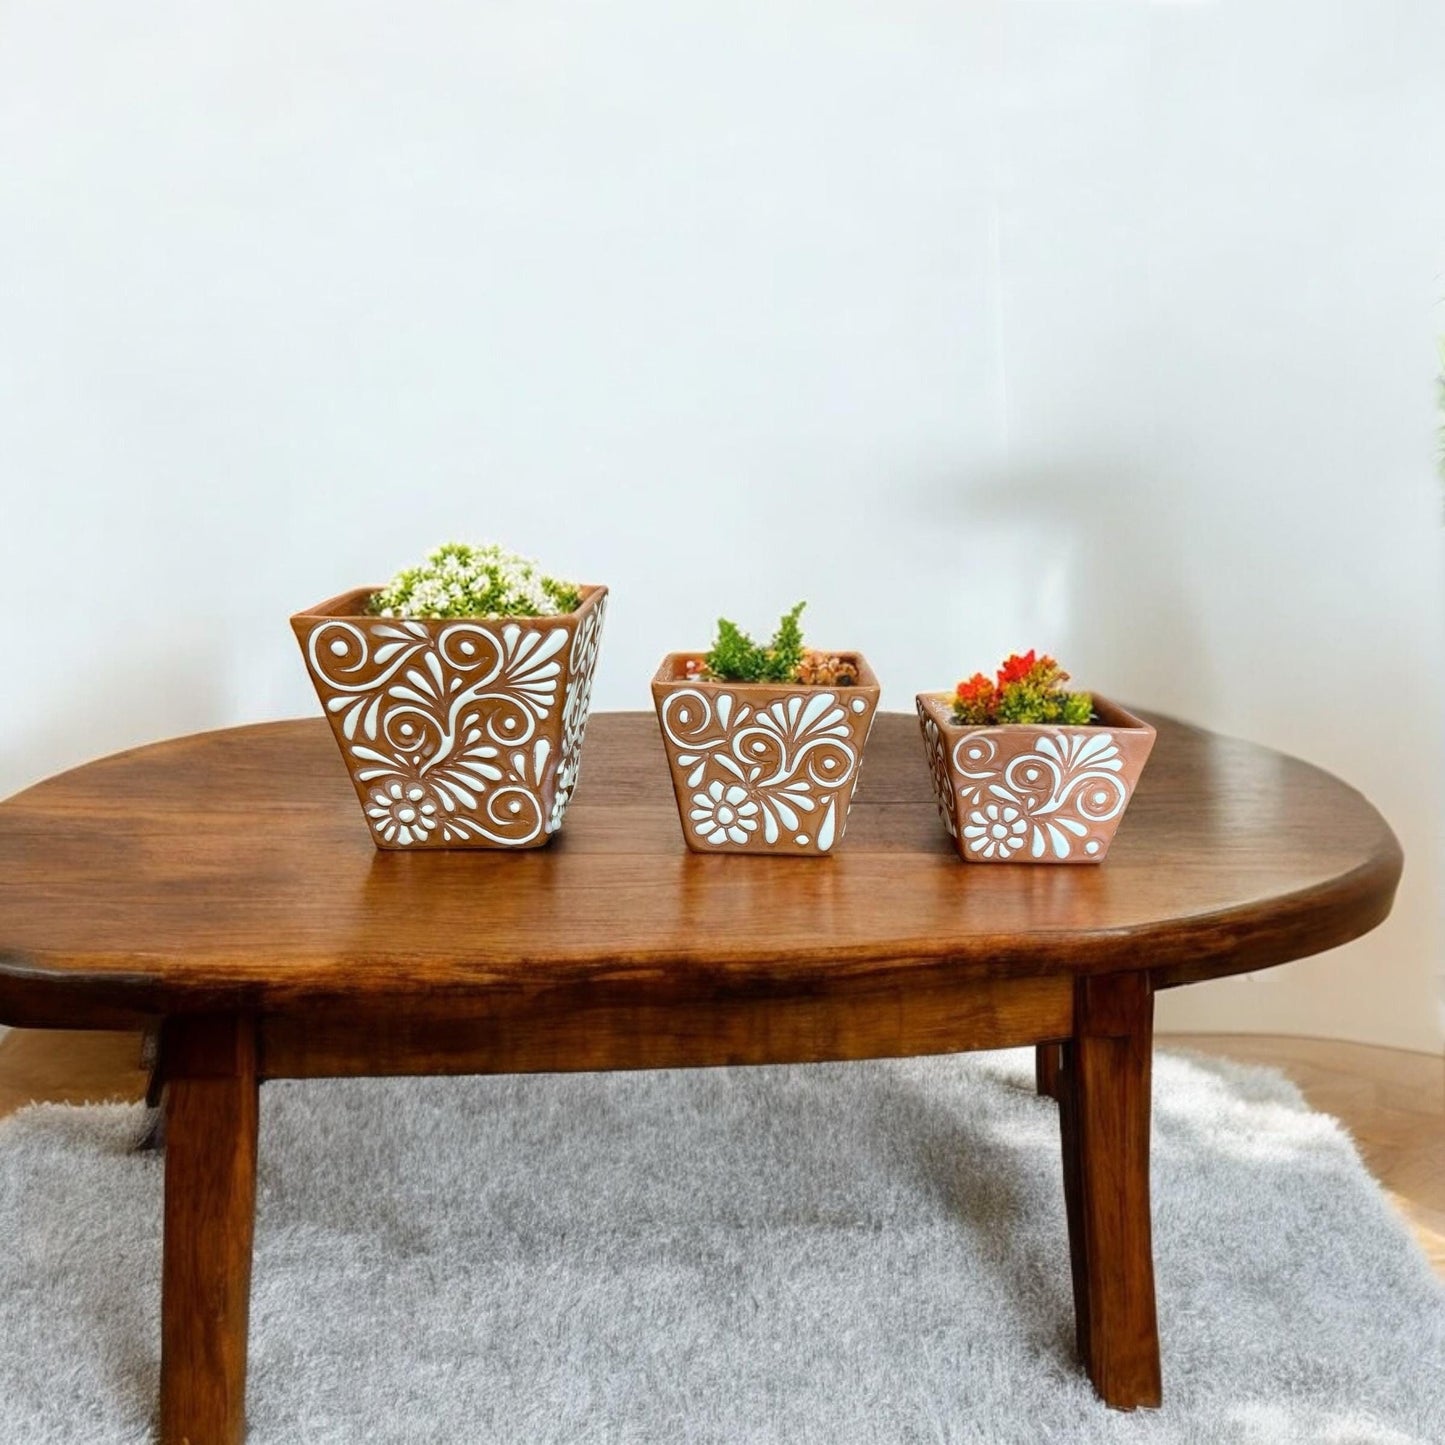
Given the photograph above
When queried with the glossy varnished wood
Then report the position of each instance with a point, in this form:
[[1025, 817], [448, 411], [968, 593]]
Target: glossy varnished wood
[[222, 884], [587, 1028], [211, 1108], [229, 870], [1047, 1060], [1103, 1089]]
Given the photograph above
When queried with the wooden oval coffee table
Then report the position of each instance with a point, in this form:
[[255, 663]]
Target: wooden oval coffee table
[[225, 887]]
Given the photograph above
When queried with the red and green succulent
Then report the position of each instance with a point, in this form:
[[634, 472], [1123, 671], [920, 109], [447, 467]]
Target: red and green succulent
[[1027, 689]]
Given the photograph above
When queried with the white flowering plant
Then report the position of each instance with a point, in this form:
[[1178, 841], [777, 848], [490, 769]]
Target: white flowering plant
[[460, 580]]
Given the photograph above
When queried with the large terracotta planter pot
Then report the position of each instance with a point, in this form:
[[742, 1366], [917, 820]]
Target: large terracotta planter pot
[[1027, 793], [763, 767], [457, 732]]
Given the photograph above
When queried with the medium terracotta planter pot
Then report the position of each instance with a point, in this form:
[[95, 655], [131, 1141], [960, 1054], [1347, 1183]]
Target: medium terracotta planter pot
[[761, 767], [457, 732], [1032, 793]]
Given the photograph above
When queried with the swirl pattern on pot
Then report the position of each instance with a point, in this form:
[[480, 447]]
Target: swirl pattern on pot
[[937, 751], [764, 773], [1048, 799], [581, 668], [457, 734], [1033, 793]]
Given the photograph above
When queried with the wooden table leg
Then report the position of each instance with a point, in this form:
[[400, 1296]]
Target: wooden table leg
[[211, 1119], [1103, 1093], [150, 1060], [1047, 1058]]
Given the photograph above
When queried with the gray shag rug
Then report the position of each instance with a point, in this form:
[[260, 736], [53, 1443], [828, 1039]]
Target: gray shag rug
[[837, 1253]]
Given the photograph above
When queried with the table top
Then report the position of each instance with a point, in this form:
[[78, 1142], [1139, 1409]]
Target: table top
[[233, 869]]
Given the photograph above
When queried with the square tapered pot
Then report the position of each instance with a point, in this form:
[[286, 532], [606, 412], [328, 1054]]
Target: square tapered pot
[[457, 732], [1033, 793], [763, 767]]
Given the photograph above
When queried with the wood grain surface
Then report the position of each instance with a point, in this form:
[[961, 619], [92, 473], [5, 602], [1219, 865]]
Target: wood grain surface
[[1103, 1089], [230, 870], [224, 884], [211, 1102]]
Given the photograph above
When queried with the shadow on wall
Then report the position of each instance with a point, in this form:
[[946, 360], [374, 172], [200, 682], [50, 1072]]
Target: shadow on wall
[[1087, 561], [123, 705]]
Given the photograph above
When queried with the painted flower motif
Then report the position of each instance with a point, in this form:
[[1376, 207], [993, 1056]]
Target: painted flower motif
[[996, 830], [402, 812], [724, 813]]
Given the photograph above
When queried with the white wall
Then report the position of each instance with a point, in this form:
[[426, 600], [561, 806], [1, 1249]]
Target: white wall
[[1106, 327]]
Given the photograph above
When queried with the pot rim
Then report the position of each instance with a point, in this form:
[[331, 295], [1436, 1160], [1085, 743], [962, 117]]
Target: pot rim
[[1110, 713], [666, 677], [350, 604]]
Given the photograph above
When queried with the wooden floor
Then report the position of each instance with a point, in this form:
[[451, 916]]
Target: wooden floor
[[1393, 1102]]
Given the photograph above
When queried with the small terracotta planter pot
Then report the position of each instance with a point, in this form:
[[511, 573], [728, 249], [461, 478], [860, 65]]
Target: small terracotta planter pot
[[761, 767], [457, 732], [1033, 793]]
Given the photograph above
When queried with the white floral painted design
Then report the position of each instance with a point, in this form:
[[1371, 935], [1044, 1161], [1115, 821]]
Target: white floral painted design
[[469, 712], [1060, 788], [938, 769], [402, 812], [793, 758], [724, 813], [995, 830], [581, 668]]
